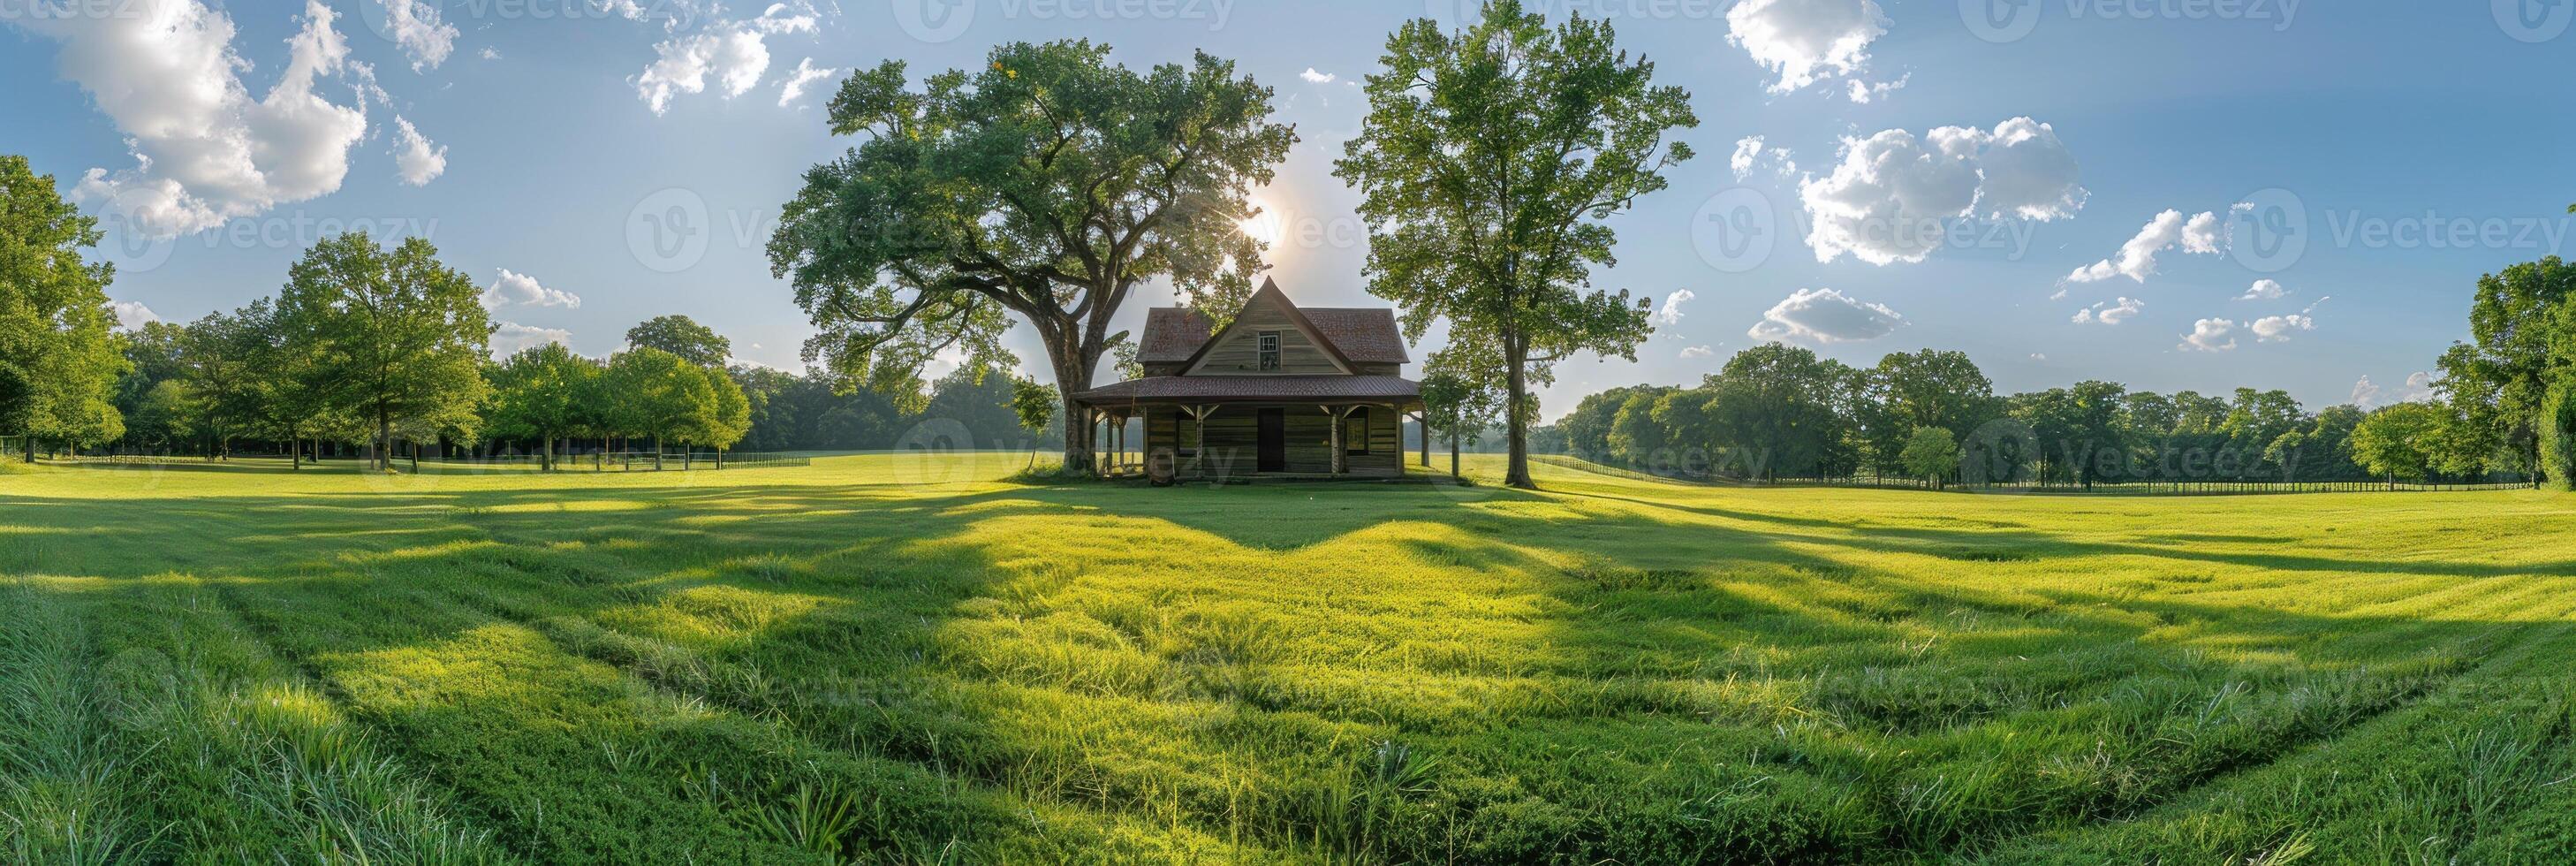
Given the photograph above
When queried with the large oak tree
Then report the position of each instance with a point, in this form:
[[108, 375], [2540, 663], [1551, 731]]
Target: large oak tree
[[399, 337], [1488, 160], [1046, 186], [58, 364]]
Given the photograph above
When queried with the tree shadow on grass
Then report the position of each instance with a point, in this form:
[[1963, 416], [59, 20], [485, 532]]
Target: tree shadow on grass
[[1088, 649]]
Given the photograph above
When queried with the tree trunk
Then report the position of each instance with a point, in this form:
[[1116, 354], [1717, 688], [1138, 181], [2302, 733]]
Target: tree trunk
[[1453, 455], [1072, 376], [1516, 381], [384, 457]]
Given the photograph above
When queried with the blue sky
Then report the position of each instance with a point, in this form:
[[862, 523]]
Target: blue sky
[[535, 140]]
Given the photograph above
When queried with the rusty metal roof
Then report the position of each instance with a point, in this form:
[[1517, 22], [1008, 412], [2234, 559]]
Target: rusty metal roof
[[1363, 334], [1155, 389]]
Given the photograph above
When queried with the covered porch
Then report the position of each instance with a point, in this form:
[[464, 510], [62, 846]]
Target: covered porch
[[1222, 437]]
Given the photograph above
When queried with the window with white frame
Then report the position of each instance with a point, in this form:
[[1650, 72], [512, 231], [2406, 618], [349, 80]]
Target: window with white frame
[[1268, 350]]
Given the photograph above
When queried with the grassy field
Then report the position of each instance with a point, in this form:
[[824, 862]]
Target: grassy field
[[897, 660]]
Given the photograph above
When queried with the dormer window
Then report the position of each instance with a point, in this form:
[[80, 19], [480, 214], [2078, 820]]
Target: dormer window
[[1268, 350]]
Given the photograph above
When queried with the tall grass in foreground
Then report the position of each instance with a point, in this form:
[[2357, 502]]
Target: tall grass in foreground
[[886, 662]]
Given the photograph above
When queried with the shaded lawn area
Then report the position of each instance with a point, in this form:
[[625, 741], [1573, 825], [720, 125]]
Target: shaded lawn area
[[902, 659]]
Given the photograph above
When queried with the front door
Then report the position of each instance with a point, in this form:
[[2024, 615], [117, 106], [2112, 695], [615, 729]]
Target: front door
[[1273, 429]]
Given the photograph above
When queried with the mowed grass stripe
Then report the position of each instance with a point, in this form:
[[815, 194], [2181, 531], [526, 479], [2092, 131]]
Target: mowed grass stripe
[[1612, 669]]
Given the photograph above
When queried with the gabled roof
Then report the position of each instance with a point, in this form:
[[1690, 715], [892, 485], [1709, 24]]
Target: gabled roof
[[1284, 388], [1367, 335]]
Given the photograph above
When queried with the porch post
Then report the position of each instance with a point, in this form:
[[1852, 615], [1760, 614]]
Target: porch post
[[1425, 418], [1341, 460], [1198, 435]]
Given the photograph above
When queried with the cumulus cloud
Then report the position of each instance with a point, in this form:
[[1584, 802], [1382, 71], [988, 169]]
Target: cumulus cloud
[[133, 315], [490, 53], [415, 27], [1671, 314], [2210, 335], [510, 338], [1750, 155], [1695, 352], [1865, 92], [1888, 197], [1806, 41], [514, 289], [804, 75], [2263, 290], [2369, 395], [204, 149], [1314, 77], [735, 54], [2202, 234], [1825, 316], [415, 159], [2109, 312], [2276, 329]]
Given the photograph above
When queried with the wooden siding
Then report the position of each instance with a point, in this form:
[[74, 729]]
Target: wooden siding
[[1237, 352], [1233, 441]]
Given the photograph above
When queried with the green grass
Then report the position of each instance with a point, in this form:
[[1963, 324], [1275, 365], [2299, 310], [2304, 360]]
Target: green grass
[[883, 658]]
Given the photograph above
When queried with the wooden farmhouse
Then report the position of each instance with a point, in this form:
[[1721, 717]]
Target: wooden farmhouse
[[1281, 391]]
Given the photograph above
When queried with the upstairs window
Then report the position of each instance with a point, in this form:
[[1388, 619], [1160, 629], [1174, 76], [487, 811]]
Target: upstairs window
[[1268, 350]]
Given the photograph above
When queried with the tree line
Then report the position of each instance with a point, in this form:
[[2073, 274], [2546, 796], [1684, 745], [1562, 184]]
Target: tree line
[[1781, 412]]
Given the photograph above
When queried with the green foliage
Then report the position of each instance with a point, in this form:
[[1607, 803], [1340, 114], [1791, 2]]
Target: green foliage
[[1930, 454], [396, 337], [2558, 434], [511, 666], [545, 392], [1047, 186], [2400, 441], [2522, 337], [648, 392], [1033, 403], [58, 362], [682, 336], [1488, 162]]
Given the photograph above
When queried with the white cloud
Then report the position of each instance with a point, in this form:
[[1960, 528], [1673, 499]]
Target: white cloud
[[1314, 77], [204, 150], [1887, 198], [513, 289], [1671, 314], [1750, 155], [415, 159], [2110, 313], [2202, 234], [133, 315], [1805, 41], [2367, 394], [1864, 92], [805, 74], [734, 53], [490, 53], [2277, 329], [1697, 352], [2210, 335], [2263, 290], [510, 338], [2035, 356], [415, 27], [1825, 316]]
